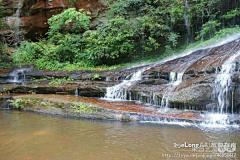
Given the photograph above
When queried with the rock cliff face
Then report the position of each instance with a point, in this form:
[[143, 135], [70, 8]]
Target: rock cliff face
[[33, 14]]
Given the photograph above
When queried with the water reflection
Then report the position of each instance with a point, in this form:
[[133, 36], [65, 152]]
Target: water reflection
[[32, 136]]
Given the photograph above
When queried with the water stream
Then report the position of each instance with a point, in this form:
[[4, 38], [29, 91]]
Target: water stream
[[119, 92], [223, 84], [31, 136], [76, 91], [18, 23], [18, 76], [186, 19], [223, 114]]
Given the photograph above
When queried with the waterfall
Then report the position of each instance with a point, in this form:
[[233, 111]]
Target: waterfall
[[172, 77], [222, 84], [18, 23], [186, 19], [76, 91], [18, 76], [175, 79], [178, 79], [223, 115], [171, 17], [119, 92]]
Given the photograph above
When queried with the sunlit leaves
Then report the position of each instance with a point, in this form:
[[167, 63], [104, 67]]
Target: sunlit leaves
[[111, 40], [209, 28], [233, 13], [76, 21]]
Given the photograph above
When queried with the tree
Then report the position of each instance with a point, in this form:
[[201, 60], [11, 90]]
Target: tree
[[64, 32], [111, 41]]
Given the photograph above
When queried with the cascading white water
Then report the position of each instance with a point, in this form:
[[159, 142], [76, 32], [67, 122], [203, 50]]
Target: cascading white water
[[223, 84], [119, 92], [172, 77], [18, 76], [179, 79], [76, 91], [186, 19], [175, 79], [18, 23], [223, 116]]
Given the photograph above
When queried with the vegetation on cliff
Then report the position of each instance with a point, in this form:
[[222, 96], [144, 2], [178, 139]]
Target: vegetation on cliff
[[135, 30], [3, 47]]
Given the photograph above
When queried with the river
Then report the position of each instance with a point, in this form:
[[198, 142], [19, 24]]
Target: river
[[30, 136]]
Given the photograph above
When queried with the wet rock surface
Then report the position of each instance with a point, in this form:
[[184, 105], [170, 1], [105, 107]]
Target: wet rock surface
[[4, 102], [67, 106]]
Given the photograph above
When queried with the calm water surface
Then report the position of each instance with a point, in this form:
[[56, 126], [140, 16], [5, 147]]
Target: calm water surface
[[31, 136]]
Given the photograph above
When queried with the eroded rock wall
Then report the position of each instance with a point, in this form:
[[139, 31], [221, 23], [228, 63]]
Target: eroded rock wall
[[34, 13]]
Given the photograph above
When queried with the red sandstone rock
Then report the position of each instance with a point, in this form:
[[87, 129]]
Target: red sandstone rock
[[34, 13]]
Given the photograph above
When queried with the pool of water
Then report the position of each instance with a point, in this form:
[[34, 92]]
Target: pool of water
[[30, 136]]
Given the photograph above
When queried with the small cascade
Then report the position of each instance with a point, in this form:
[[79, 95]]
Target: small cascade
[[179, 79], [76, 91], [119, 92], [165, 102], [18, 76], [162, 120], [172, 77], [175, 79]]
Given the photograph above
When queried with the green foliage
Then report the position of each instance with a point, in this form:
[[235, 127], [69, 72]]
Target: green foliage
[[75, 20], [72, 1], [220, 35], [135, 30], [110, 41], [233, 13], [152, 20], [16, 103], [34, 102], [57, 81], [72, 43], [4, 57], [25, 102], [61, 48], [2, 24], [42, 79], [28, 53], [83, 108], [95, 77], [209, 28]]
